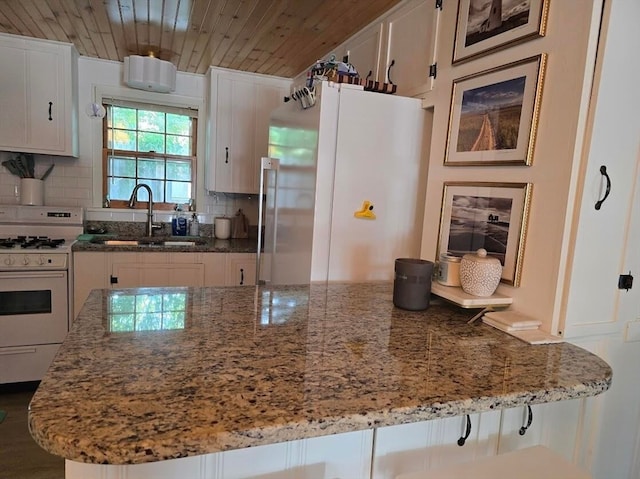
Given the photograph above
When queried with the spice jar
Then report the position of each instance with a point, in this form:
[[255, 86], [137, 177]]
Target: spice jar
[[449, 270], [480, 274]]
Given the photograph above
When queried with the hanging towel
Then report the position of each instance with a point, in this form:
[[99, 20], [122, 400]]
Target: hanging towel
[[240, 228]]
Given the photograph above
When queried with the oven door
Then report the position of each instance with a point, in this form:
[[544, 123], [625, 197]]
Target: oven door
[[33, 307]]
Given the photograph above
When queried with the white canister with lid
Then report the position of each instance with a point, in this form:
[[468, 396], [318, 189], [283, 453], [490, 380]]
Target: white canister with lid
[[480, 274], [222, 227], [449, 270]]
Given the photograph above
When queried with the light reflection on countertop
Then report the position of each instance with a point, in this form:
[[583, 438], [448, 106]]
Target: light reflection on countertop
[[254, 365]]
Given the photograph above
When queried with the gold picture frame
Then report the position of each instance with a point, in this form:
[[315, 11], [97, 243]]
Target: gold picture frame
[[483, 27], [493, 117], [487, 215]]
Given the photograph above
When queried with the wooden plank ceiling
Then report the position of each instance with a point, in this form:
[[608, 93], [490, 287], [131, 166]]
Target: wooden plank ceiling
[[274, 37]]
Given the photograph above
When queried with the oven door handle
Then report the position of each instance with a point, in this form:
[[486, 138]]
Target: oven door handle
[[31, 274]]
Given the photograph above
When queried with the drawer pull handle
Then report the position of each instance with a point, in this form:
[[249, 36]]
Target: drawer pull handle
[[241, 276], [603, 172], [50, 108]]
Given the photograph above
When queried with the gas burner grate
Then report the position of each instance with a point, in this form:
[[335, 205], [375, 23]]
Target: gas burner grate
[[41, 242]]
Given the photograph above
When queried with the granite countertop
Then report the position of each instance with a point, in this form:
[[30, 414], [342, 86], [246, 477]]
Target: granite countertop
[[202, 245], [159, 373]]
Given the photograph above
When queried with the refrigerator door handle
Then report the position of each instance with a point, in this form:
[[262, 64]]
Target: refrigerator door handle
[[266, 163]]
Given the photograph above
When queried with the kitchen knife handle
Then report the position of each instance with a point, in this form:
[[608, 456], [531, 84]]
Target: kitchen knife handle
[[50, 108]]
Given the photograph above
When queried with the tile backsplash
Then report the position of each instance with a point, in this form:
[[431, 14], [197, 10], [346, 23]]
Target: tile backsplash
[[70, 184]]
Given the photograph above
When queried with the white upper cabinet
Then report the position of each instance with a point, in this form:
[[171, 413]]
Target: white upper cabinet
[[410, 47], [38, 99], [398, 47], [364, 51], [239, 105]]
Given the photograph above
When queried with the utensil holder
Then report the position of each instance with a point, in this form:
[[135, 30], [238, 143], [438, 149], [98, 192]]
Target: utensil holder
[[31, 192]]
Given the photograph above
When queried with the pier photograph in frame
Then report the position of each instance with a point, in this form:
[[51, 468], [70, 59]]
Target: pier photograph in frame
[[494, 115], [492, 216], [485, 26]]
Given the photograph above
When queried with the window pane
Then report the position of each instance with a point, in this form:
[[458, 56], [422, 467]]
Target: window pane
[[153, 169], [178, 124], [119, 166], [178, 145], [120, 188], [157, 188], [151, 142], [124, 117], [151, 121], [178, 170], [178, 192], [122, 322], [124, 140]]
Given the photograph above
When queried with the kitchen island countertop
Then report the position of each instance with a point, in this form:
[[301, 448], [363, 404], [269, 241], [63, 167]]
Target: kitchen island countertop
[[152, 374]]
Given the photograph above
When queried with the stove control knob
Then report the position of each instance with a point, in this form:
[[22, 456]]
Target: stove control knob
[[41, 260], [25, 260], [9, 260]]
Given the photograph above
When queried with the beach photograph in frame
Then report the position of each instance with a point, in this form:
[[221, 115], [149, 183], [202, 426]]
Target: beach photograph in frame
[[484, 26], [494, 115], [492, 216]]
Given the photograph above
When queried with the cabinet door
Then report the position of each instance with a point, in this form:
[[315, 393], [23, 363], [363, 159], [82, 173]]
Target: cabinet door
[[46, 113], [215, 265], [235, 129], [38, 113], [13, 99], [363, 52], [90, 271], [410, 47], [241, 269], [240, 105], [431, 444]]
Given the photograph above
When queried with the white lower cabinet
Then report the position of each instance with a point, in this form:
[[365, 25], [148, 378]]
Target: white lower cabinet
[[97, 270], [340, 456], [432, 444], [241, 269]]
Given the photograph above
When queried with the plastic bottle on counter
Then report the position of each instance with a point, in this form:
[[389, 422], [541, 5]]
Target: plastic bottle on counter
[[194, 225], [179, 223]]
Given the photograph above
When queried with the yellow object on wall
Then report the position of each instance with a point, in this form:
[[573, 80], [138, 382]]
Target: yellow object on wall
[[366, 212]]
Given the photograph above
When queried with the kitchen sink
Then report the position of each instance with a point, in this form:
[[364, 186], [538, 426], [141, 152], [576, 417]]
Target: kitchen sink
[[150, 242]]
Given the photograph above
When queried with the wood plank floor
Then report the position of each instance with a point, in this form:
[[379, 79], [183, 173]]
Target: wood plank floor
[[20, 456]]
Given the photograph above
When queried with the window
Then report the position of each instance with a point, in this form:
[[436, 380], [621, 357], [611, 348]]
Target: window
[[149, 144]]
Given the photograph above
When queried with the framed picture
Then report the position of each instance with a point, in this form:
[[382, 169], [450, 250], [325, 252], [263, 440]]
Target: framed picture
[[485, 26], [492, 216], [494, 115]]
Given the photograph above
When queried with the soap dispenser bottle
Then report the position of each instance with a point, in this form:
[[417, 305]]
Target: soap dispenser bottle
[[194, 225]]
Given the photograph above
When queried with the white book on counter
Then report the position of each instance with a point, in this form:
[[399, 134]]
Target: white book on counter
[[519, 326], [512, 319]]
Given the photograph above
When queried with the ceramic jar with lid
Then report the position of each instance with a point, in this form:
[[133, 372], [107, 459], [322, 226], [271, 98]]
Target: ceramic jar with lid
[[480, 274]]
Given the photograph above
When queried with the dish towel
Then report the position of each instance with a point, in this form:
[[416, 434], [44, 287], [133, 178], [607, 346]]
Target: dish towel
[[240, 227]]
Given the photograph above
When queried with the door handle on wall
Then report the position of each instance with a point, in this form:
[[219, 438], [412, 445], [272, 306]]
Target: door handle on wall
[[603, 172]]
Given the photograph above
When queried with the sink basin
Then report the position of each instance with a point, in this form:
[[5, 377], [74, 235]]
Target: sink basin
[[150, 242]]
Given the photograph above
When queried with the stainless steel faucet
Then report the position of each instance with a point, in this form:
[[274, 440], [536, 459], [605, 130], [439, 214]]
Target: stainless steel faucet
[[132, 203]]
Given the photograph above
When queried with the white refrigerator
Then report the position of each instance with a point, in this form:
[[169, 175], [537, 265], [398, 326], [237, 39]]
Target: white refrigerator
[[343, 187]]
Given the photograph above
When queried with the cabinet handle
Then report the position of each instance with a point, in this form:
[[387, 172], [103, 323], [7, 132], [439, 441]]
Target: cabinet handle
[[466, 432], [603, 172], [50, 108], [241, 276], [113, 279], [226, 154], [528, 419], [393, 62]]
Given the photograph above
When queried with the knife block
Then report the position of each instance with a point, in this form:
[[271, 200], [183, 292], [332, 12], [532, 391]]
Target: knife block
[[31, 192]]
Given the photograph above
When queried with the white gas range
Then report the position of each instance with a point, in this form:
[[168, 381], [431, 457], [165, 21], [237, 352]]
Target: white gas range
[[35, 286]]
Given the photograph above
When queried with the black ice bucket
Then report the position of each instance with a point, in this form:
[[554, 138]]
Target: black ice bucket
[[412, 283]]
